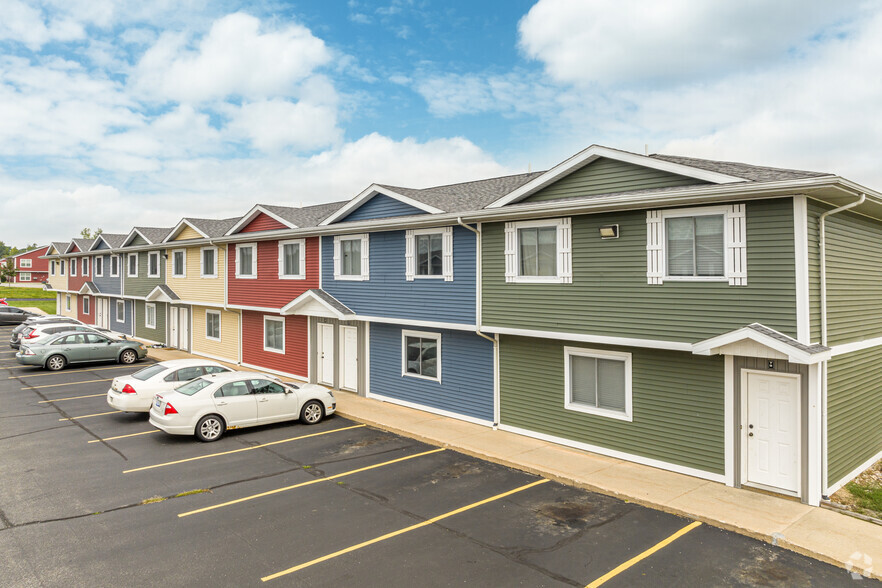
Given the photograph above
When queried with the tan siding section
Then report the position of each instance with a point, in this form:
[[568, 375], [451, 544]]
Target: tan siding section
[[188, 233], [193, 287], [74, 300], [228, 347]]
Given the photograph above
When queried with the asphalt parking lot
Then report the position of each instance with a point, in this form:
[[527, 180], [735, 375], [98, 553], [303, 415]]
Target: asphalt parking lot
[[90, 496]]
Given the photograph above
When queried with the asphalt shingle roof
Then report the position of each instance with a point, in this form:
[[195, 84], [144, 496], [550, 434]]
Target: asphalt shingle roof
[[113, 240], [810, 349], [753, 173], [83, 244], [333, 302], [60, 246], [154, 234], [212, 227], [307, 216]]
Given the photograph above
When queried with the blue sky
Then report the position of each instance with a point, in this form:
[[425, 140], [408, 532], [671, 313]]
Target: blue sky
[[114, 114]]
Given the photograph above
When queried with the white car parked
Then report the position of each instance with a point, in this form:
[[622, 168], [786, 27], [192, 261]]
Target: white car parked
[[135, 393], [210, 405]]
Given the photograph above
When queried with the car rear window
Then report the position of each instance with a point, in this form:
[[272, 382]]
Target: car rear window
[[148, 372], [193, 386]]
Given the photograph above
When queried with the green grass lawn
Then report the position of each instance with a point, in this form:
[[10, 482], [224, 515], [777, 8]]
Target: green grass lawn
[[48, 306], [9, 292], [867, 498]]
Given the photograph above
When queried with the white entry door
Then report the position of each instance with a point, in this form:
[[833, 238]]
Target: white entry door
[[173, 326], [184, 329], [772, 430], [349, 358], [99, 312], [325, 360]]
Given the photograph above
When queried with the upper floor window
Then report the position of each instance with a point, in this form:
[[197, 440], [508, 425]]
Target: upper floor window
[[61, 267], [246, 260], [429, 253], [133, 265], [697, 244], [85, 266], [598, 382], [208, 262], [292, 259], [153, 264], [99, 267], [52, 268], [25, 263], [179, 263], [73, 266], [351, 257], [114, 265], [538, 251]]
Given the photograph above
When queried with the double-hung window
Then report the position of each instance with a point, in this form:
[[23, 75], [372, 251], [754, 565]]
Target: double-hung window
[[24, 276], [52, 268], [61, 268], [133, 265], [150, 315], [246, 260], [99, 267], [208, 262], [179, 263], [213, 325], [85, 305], [429, 253], [351, 257], [73, 266], [153, 264], [598, 382], [274, 334], [421, 355], [538, 251], [114, 266], [292, 259], [694, 246], [67, 302], [25, 263], [120, 311], [85, 266]]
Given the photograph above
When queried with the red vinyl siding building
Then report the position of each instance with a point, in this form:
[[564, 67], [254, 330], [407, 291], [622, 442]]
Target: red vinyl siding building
[[30, 268]]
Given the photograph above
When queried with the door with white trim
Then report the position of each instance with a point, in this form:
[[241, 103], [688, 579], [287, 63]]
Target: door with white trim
[[349, 358], [325, 359], [772, 430], [100, 313], [184, 329], [173, 326]]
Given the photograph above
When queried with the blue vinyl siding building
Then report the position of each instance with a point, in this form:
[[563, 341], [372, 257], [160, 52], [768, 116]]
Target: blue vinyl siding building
[[381, 206], [124, 326]]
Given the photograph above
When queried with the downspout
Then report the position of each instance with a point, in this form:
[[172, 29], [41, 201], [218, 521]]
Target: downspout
[[226, 293], [822, 246], [478, 319]]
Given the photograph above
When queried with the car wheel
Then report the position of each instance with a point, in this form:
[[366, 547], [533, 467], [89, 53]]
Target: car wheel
[[312, 412], [210, 428], [55, 363], [128, 356]]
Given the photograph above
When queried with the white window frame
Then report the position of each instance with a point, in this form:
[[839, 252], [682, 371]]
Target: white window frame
[[410, 254], [302, 274], [85, 266], [570, 352], [253, 275], [148, 306], [61, 267], [365, 257], [564, 248], [25, 263], [734, 244], [98, 266], [218, 315], [73, 267], [86, 305], [52, 267], [202, 273], [174, 252], [422, 335], [277, 319], [67, 302], [24, 276], [137, 259], [123, 304], [114, 274], [158, 269]]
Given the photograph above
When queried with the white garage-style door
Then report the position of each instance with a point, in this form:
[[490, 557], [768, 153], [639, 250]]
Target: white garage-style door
[[771, 431]]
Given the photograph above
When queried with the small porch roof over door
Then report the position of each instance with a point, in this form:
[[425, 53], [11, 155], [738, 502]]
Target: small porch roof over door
[[756, 340], [317, 302]]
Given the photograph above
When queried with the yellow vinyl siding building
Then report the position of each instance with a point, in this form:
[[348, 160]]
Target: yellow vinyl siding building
[[226, 346]]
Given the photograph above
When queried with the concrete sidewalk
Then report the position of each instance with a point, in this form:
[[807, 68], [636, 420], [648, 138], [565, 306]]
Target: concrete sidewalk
[[816, 532]]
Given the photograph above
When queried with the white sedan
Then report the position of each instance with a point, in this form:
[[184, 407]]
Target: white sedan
[[135, 393], [210, 405]]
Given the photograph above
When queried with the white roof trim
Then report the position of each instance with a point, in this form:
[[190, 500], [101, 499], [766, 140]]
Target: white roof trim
[[95, 242], [252, 214], [370, 192], [46, 247], [594, 152], [711, 346], [179, 227], [132, 234], [157, 295], [85, 289], [309, 304], [69, 245]]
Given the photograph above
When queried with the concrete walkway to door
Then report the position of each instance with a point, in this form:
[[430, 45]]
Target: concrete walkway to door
[[816, 532]]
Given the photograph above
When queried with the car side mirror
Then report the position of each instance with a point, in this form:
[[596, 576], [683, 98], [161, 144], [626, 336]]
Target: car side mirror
[[109, 342], [288, 390]]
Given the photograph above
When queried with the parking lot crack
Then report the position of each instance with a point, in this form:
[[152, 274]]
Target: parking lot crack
[[5, 520], [32, 432]]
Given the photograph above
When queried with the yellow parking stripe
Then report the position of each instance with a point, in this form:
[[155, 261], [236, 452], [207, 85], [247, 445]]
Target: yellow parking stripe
[[64, 372], [73, 398], [67, 384], [612, 573], [86, 416], [425, 523], [261, 446], [123, 436], [316, 481]]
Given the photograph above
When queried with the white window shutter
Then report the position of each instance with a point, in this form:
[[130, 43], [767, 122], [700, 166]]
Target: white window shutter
[[409, 269], [365, 257], [736, 248], [302, 248], [336, 258], [447, 249], [511, 257], [655, 255], [564, 251]]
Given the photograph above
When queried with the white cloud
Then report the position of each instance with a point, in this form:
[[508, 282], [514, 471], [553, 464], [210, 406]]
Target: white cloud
[[237, 57], [516, 92]]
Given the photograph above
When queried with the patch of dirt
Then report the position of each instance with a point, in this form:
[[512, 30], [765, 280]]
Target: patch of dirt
[[870, 478], [765, 570], [356, 445], [571, 514]]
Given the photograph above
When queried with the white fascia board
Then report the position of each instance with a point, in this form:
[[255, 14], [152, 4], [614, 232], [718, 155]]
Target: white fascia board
[[95, 244], [69, 245], [179, 227], [85, 289], [594, 152], [587, 338], [252, 214], [710, 346], [309, 298], [157, 295], [131, 236], [369, 193]]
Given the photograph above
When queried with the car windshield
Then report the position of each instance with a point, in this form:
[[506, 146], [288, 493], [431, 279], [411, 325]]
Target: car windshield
[[149, 372], [193, 386]]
